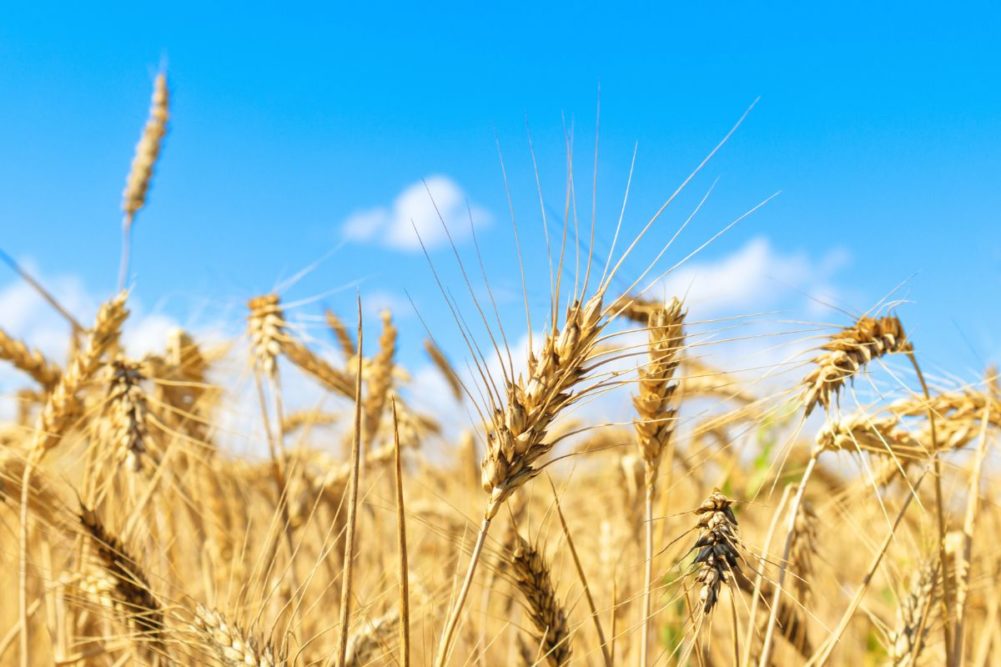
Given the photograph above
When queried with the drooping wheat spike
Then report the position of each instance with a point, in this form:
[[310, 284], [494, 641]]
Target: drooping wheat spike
[[958, 416], [266, 325], [913, 618], [132, 588], [445, 368], [372, 643], [655, 401], [379, 380], [333, 379], [30, 361], [717, 559], [270, 329], [703, 380], [531, 576], [847, 352], [878, 435], [62, 405], [344, 339], [230, 645], [308, 419], [128, 413], [27, 401], [147, 150], [636, 309], [516, 434]]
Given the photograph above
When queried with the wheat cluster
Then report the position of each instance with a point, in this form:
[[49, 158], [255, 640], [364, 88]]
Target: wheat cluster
[[186, 507]]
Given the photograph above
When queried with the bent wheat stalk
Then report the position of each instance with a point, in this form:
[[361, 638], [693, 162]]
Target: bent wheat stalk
[[349, 540]]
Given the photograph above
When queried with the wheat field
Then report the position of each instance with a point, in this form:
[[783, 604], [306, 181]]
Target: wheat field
[[839, 509]]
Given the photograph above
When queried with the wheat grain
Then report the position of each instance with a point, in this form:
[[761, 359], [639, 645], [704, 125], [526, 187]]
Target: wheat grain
[[847, 352], [147, 150], [717, 557], [531, 575]]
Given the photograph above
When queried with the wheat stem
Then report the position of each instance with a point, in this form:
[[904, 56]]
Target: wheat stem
[[766, 648], [349, 540], [940, 515], [401, 532]]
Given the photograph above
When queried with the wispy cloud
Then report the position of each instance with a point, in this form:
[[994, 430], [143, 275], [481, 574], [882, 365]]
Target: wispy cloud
[[413, 209], [754, 277]]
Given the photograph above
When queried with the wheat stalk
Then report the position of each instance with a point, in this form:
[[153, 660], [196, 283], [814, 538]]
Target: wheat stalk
[[516, 432]]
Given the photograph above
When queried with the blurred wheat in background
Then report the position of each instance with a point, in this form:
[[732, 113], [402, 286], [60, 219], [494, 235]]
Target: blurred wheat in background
[[834, 510]]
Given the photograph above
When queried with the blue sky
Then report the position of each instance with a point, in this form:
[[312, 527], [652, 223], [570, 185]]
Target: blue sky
[[880, 123]]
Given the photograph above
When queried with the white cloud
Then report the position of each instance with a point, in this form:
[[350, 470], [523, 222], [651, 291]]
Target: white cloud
[[415, 207], [754, 277]]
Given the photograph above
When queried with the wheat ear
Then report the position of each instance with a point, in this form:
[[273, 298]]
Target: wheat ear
[[911, 631], [341, 333], [847, 352], [531, 576], [143, 162], [842, 357], [379, 380], [657, 413], [30, 361], [129, 413], [229, 644], [445, 368], [132, 588], [54, 420], [516, 432]]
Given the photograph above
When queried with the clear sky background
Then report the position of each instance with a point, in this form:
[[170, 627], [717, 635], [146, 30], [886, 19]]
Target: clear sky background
[[303, 131]]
